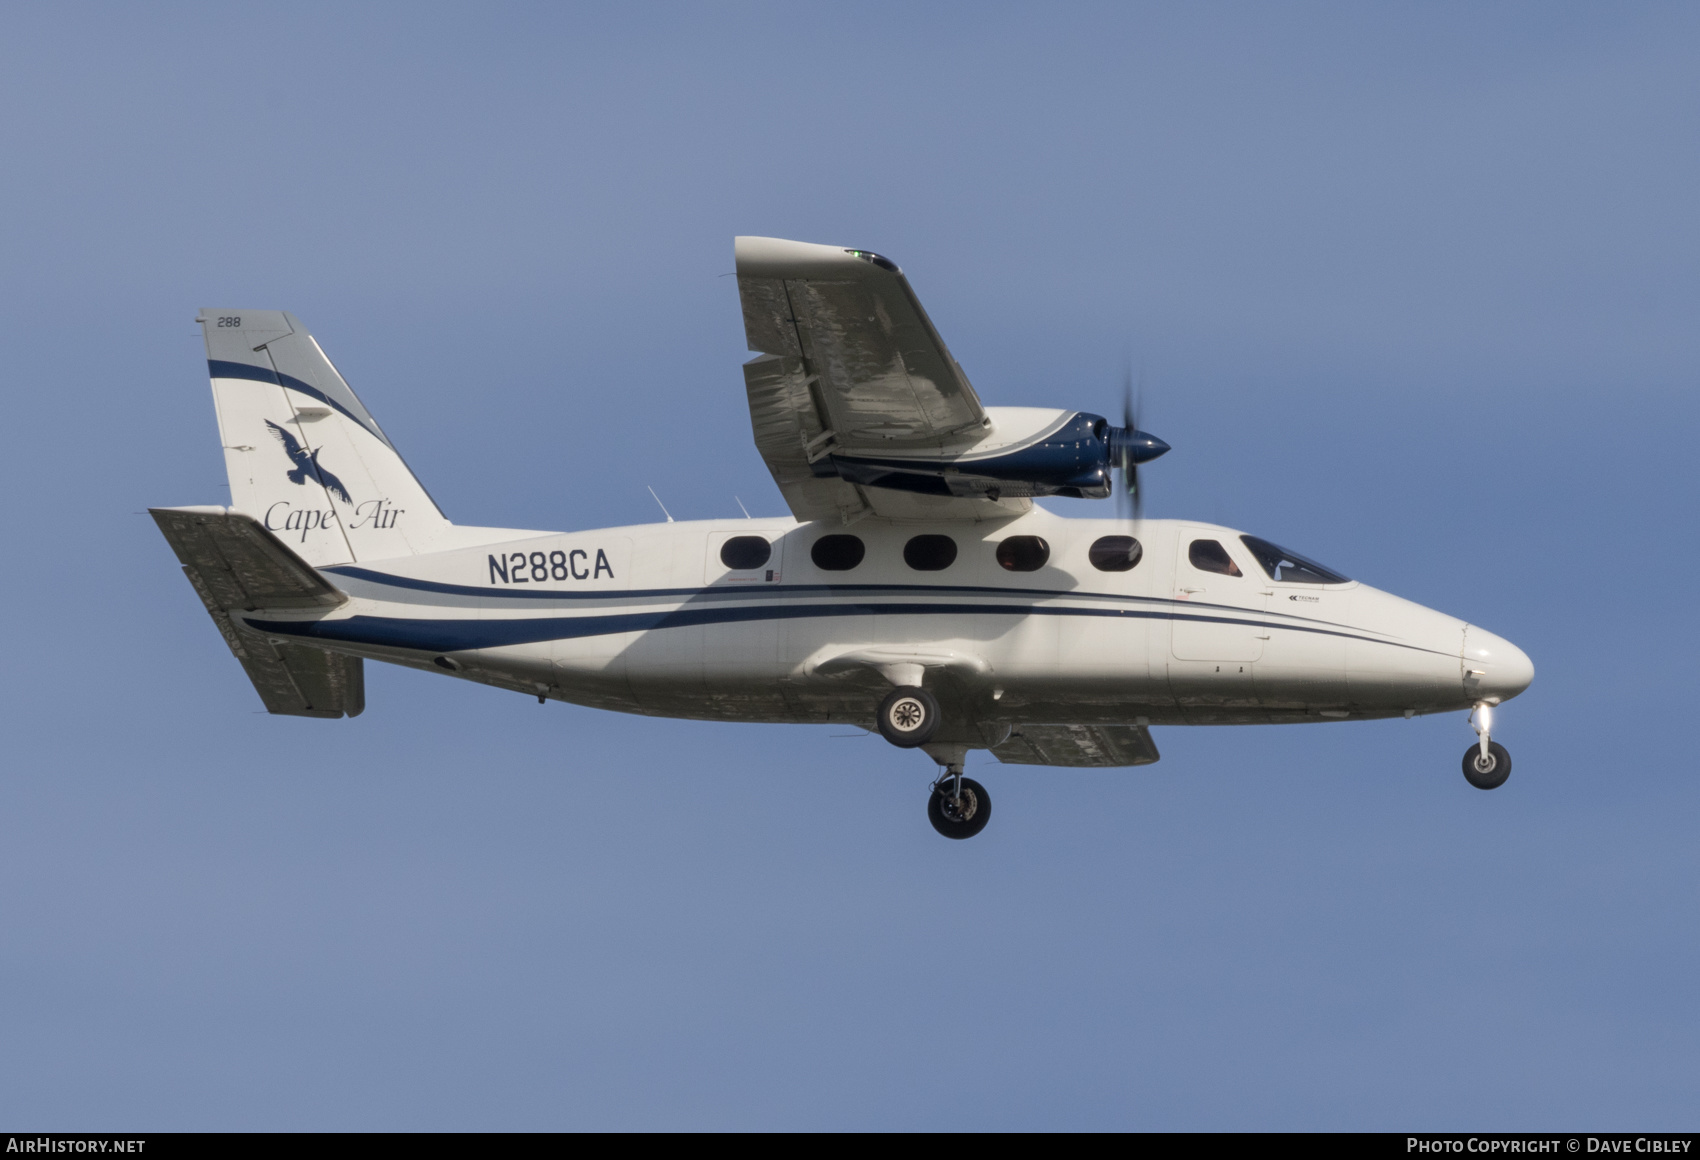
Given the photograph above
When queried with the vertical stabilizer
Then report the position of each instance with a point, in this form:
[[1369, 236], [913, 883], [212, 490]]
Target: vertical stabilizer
[[305, 458]]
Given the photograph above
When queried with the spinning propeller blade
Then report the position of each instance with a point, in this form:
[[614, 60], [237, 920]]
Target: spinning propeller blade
[[1132, 502], [1130, 446]]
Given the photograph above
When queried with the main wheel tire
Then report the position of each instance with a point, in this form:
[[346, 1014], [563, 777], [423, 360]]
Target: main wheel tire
[[961, 819], [908, 717], [1489, 774]]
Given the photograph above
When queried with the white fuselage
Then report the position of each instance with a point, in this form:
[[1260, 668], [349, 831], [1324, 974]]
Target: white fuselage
[[648, 619]]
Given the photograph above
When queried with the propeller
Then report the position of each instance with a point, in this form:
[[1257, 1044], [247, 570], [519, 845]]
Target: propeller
[[1129, 447]]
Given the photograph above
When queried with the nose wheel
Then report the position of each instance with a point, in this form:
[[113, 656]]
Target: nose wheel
[[959, 806], [1486, 763]]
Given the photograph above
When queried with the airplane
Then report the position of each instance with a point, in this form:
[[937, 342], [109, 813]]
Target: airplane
[[915, 588]]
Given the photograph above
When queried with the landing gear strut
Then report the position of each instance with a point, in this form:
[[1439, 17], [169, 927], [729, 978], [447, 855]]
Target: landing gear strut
[[959, 806], [1486, 763]]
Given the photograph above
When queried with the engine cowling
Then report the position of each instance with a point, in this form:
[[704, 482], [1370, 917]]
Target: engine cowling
[[1072, 454]]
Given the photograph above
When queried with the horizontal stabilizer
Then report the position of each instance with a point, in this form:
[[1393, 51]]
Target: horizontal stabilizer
[[243, 565], [1078, 746], [234, 565]]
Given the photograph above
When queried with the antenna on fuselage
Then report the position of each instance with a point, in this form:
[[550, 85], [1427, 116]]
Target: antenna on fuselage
[[744, 509], [660, 505]]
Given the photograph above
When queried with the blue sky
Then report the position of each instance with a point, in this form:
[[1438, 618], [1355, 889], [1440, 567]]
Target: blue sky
[[1413, 289]]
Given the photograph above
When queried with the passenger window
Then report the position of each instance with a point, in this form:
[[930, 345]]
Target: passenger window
[[1290, 567], [742, 553], [1209, 556], [1115, 553], [1023, 554], [930, 553], [837, 553]]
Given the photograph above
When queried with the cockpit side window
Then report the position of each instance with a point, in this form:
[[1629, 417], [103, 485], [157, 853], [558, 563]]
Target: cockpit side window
[[1209, 556], [1290, 567]]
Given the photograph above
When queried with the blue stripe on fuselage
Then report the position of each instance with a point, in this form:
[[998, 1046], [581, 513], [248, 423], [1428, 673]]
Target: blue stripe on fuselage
[[442, 636], [781, 591]]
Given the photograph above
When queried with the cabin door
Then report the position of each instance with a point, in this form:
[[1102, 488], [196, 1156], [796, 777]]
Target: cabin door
[[1214, 637], [1218, 599]]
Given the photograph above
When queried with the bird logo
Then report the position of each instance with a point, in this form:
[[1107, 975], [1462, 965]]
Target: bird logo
[[307, 463]]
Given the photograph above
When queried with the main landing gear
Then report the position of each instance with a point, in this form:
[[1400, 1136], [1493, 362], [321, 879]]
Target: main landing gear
[[909, 716], [1486, 763], [959, 806]]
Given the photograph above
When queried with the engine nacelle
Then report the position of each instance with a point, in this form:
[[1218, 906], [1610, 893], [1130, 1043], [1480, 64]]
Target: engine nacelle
[[1027, 451]]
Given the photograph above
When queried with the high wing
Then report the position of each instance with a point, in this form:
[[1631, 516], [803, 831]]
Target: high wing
[[850, 364]]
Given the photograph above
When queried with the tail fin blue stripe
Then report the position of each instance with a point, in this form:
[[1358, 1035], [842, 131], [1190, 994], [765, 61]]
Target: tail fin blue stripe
[[220, 369]]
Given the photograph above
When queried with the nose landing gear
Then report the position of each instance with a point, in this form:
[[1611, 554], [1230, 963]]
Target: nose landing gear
[[959, 806], [1486, 763]]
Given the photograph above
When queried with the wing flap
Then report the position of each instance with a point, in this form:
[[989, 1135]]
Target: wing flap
[[787, 424], [1078, 746]]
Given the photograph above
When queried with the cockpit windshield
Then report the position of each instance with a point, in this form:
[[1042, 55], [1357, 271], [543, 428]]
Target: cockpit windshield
[[1290, 567]]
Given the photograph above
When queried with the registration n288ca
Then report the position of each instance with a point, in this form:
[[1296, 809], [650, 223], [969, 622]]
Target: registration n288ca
[[542, 567]]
